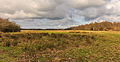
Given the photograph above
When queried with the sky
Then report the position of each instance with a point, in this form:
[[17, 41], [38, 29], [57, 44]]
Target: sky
[[49, 14]]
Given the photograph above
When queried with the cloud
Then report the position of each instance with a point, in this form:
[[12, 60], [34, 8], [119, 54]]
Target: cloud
[[55, 13], [43, 8], [111, 8]]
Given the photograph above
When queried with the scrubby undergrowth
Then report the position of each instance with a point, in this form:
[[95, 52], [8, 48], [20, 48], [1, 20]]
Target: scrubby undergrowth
[[59, 47]]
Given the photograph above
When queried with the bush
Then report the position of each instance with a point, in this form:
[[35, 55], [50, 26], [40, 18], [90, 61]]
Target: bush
[[6, 26], [11, 28]]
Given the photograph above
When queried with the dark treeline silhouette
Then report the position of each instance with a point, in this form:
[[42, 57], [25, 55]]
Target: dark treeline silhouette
[[42, 29], [6, 26], [98, 26]]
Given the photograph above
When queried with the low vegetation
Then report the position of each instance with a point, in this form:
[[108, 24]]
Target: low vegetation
[[6, 26], [99, 26], [60, 46]]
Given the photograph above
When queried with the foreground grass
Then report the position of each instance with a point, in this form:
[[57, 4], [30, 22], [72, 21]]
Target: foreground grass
[[60, 46]]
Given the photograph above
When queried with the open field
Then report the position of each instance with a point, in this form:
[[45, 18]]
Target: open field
[[60, 46]]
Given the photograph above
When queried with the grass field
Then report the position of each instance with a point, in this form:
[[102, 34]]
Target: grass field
[[60, 46]]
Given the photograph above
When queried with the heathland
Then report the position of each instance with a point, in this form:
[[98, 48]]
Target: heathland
[[60, 46]]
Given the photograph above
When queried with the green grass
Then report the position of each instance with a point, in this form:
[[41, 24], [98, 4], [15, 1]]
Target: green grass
[[60, 46]]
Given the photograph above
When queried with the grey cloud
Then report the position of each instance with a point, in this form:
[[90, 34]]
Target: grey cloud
[[59, 13], [43, 8]]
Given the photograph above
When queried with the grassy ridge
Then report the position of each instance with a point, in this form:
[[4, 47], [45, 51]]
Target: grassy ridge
[[60, 46]]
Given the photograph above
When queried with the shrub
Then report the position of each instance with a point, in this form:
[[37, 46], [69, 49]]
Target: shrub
[[6, 26], [11, 28]]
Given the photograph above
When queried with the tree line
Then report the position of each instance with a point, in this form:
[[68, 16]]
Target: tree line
[[98, 26]]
